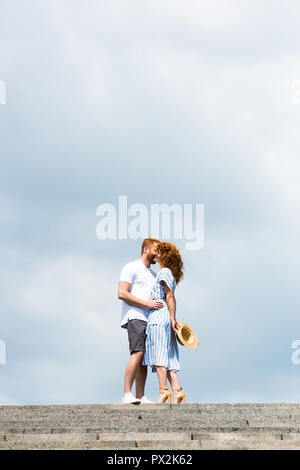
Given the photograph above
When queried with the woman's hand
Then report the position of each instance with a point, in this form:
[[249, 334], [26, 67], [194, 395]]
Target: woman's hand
[[174, 324]]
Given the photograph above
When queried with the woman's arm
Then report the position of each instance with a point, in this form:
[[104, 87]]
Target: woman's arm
[[171, 303]]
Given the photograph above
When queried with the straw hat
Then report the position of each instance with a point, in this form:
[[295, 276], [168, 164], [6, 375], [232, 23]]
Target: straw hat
[[186, 336]]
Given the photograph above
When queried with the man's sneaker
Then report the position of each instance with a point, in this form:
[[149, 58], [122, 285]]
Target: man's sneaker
[[144, 399], [128, 398]]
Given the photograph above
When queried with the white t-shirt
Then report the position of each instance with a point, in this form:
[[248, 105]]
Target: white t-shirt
[[141, 279]]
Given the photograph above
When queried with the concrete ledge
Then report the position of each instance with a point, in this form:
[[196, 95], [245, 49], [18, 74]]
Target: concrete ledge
[[152, 426], [146, 436], [222, 441]]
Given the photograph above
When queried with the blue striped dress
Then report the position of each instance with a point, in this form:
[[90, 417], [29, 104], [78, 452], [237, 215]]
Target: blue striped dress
[[161, 348]]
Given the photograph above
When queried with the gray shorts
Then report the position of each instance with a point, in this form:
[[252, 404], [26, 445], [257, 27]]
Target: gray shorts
[[136, 335]]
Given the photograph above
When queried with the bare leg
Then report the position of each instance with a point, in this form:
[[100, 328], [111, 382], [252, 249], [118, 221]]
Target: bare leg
[[140, 380], [131, 369], [162, 379], [173, 379]]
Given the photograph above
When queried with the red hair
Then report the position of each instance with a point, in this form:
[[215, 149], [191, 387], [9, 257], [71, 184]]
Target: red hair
[[147, 243], [171, 258]]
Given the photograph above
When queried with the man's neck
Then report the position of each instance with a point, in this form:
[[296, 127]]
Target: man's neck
[[145, 261]]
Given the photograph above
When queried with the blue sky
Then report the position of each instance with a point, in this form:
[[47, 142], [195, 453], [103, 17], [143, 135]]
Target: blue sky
[[174, 101]]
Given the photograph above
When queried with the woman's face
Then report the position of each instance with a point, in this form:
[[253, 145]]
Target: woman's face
[[158, 257]]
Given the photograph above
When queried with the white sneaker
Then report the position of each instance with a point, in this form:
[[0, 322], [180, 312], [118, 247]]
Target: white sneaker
[[130, 399], [144, 399]]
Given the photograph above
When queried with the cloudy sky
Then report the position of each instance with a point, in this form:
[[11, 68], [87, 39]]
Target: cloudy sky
[[163, 101]]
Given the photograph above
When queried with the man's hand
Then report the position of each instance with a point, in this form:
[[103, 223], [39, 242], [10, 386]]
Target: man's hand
[[154, 304]]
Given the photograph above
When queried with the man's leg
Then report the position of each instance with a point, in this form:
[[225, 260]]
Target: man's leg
[[140, 380], [131, 370]]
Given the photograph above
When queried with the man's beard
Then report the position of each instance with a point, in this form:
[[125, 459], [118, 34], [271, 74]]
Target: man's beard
[[151, 259]]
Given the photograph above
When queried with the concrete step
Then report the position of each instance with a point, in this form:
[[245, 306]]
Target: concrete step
[[106, 410], [152, 441], [151, 426]]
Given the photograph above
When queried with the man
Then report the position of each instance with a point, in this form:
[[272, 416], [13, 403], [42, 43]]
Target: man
[[134, 290]]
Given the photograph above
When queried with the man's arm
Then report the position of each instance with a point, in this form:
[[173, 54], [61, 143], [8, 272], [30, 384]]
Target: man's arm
[[124, 294]]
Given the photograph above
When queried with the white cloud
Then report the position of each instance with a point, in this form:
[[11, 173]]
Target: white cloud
[[195, 96]]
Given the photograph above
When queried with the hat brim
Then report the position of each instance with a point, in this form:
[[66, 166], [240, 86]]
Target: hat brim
[[186, 336]]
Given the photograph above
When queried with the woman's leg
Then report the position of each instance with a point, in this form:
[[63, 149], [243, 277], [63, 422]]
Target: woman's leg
[[162, 380], [173, 379]]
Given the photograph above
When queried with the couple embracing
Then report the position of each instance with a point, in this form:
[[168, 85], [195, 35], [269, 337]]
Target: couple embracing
[[149, 315]]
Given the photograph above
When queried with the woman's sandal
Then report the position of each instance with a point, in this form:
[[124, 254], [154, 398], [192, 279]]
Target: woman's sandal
[[167, 396], [181, 396]]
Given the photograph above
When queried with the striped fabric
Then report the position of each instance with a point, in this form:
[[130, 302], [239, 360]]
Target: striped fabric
[[161, 348]]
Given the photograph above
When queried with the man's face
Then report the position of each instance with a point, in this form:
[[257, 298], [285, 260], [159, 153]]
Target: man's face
[[151, 253]]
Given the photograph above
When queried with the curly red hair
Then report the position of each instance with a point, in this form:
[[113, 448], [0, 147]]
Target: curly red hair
[[171, 258]]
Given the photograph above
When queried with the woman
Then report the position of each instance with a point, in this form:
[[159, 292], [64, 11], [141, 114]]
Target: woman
[[161, 348]]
